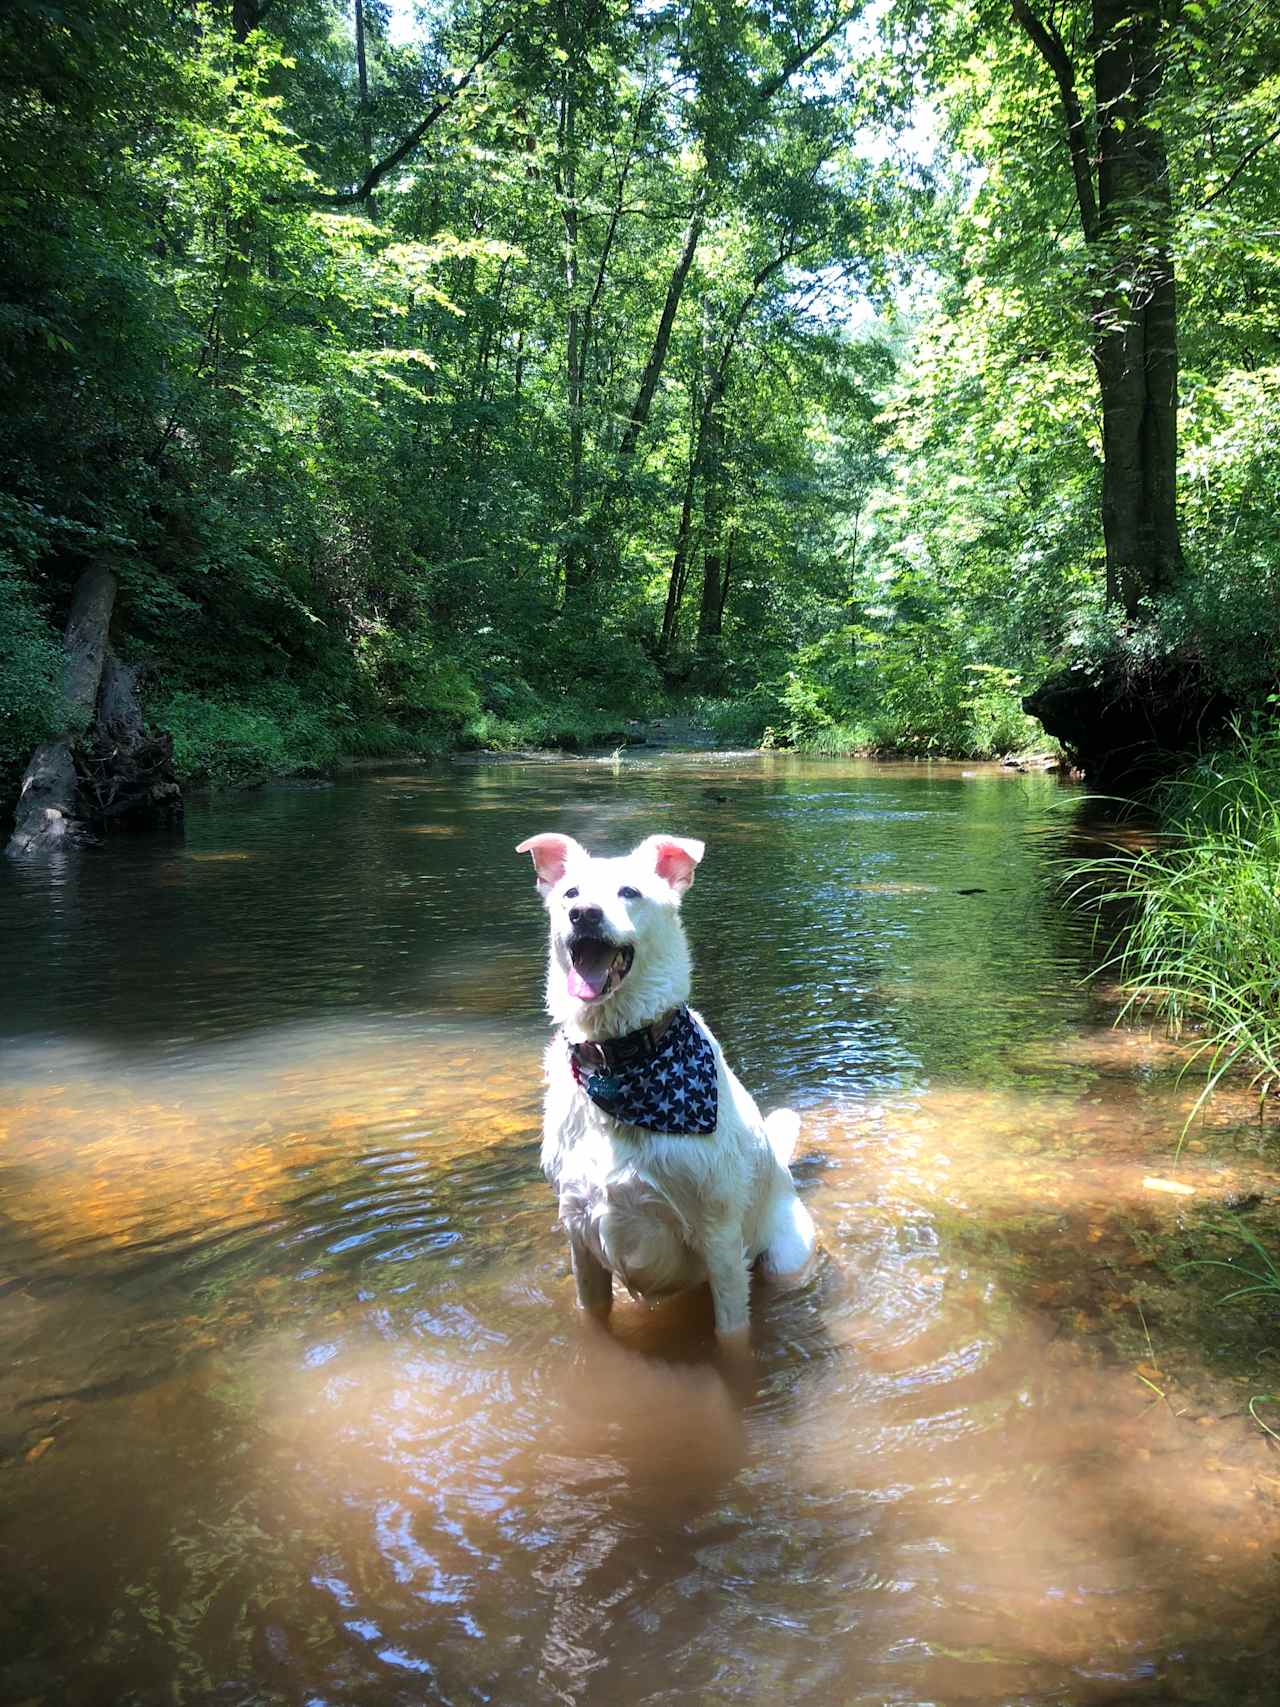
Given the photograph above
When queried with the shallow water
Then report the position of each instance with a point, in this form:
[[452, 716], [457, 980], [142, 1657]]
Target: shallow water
[[294, 1404]]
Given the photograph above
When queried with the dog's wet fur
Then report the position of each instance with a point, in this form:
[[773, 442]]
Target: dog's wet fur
[[664, 1214]]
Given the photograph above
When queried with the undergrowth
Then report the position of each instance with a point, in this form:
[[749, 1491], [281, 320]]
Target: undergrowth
[[979, 717], [565, 726], [1196, 941]]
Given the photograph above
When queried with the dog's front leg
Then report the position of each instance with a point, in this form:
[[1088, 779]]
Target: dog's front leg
[[592, 1278], [726, 1259]]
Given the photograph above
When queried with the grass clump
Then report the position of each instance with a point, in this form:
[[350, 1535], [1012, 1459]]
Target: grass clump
[[1200, 941], [279, 731], [559, 727]]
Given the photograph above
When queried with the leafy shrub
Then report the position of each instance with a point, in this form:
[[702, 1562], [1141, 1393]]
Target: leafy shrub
[[409, 675], [902, 690], [739, 722], [566, 726], [597, 665]]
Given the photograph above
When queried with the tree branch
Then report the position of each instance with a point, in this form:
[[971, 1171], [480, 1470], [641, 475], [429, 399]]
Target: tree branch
[[1052, 49], [404, 148], [1239, 167], [770, 87]]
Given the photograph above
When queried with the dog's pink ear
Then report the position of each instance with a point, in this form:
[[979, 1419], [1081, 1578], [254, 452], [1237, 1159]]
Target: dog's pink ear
[[674, 858], [550, 853]]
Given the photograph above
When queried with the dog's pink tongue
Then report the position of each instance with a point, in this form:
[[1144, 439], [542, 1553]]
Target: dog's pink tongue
[[586, 987]]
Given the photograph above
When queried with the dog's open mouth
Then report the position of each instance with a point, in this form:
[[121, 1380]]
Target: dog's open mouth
[[597, 967]]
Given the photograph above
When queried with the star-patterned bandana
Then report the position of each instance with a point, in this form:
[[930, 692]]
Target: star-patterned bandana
[[673, 1092]]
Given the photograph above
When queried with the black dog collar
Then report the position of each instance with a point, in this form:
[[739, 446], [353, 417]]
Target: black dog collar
[[631, 1050]]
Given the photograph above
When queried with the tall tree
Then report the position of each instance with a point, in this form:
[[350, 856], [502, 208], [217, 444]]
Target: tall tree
[[1120, 170]]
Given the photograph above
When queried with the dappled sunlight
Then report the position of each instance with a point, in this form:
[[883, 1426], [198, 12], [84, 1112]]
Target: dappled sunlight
[[115, 1154]]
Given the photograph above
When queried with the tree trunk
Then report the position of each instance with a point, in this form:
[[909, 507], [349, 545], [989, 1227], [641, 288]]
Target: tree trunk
[[1126, 225], [1136, 355], [44, 820], [680, 559], [726, 578], [244, 18], [85, 644], [576, 571], [119, 711], [851, 607], [712, 508], [662, 337], [362, 77], [126, 774]]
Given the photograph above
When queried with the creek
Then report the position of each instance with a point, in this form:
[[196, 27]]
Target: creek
[[294, 1402]]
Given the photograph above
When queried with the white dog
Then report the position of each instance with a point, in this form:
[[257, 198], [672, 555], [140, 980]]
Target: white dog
[[667, 1175]]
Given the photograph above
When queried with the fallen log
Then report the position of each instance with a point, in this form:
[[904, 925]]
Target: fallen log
[[106, 767], [45, 817]]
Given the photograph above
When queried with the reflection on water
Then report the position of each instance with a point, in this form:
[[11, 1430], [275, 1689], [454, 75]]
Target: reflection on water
[[293, 1402]]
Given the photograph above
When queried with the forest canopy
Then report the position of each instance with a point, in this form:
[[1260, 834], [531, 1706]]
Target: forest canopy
[[499, 373]]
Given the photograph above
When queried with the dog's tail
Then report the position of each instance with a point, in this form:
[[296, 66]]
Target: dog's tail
[[782, 1128]]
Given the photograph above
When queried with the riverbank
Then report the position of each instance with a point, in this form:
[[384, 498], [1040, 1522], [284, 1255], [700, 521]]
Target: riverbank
[[218, 745], [1194, 919]]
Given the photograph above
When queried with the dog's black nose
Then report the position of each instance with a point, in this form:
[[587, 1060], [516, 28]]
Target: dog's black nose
[[586, 916]]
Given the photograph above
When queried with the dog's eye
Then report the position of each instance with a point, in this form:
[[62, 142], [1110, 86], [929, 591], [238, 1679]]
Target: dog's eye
[[628, 893], [571, 894]]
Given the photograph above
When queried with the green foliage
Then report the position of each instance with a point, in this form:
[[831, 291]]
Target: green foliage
[[30, 672], [407, 675], [278, 731], [566, 725], [218, 742], [905, 690], [336, 444], [31, 704], [743, 722], [1199, 937]]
